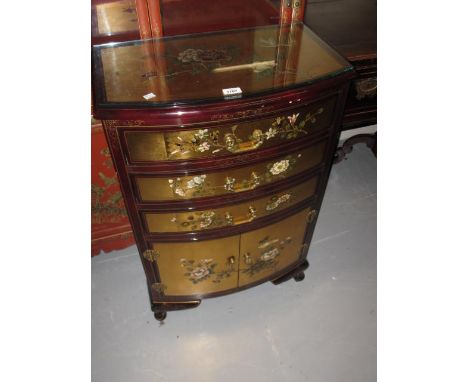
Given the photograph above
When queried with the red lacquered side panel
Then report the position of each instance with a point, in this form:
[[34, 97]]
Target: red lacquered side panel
[[110, 228]]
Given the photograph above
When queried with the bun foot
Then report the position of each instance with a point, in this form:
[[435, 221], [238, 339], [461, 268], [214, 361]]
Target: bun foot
[[160, 316], [300, 276], [297, 274]]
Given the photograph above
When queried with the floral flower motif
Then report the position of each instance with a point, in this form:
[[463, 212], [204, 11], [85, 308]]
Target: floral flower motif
[[283, 198], [200, 55], [279, 167], [271, 132], [188, 55], [201, 134], [229, 183], [292, 118], [269, 255], [212, 55], [206, 219], [274, 204], [179, 191], [199, 272], [203, 147], [196, 181]]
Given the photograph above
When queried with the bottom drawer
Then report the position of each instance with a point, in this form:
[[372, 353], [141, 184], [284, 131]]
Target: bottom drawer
[[197, 268]]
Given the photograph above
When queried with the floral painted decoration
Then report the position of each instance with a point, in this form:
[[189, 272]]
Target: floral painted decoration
[[208, 141], [279, 167], [203, 55], [229, 184], [275, 202], [207, 219], [270, 250], [199, 186], [199, 272], [203, 270], [197, 183]]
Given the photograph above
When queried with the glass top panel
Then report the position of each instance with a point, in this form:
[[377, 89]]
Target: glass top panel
[[196, 68]]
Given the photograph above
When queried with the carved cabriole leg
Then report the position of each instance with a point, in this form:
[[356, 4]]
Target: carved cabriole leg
[[369, 139], [297, 273]]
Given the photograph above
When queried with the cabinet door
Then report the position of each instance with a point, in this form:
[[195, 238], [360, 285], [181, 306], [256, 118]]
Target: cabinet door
[[198, 267], [267, 250]]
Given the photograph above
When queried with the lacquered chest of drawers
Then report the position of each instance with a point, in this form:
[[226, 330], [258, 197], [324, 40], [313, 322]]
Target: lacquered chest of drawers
[[223, 143]]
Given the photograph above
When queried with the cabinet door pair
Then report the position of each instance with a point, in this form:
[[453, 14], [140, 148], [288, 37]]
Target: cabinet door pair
[[203, 267]]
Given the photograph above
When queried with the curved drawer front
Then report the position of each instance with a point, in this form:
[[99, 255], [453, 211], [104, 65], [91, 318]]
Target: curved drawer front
[[151, 146], [229, 180], [235, 214]]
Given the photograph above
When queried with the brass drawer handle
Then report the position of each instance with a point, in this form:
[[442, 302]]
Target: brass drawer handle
[[250, 217], [247, 258], [234, 146]]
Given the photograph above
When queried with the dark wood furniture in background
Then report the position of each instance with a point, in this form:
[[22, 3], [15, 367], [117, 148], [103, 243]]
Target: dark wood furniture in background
[[222, 189], [350, 26]]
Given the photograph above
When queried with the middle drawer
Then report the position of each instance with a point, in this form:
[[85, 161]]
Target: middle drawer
[[234, 214], [229, 180]]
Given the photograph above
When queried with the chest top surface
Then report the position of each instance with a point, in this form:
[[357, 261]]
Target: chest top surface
[[198, 68]]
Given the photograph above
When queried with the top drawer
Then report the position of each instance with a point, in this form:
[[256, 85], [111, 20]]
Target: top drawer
[[150, 145]]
